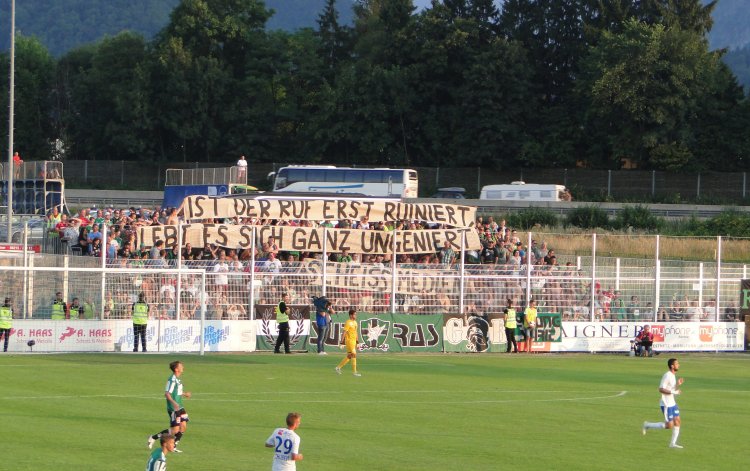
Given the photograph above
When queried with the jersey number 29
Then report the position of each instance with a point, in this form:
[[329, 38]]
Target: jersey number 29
[[287, 444]]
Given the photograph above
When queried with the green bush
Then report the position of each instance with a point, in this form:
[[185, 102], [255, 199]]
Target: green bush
[[729, 223], [530, 217], [638, 217], [588, 217], [691, 226]]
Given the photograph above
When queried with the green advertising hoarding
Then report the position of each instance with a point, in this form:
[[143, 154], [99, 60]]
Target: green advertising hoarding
[[480, 334], [395, 332], [548, 327], [387, 332], [267, 330], [474, 334]]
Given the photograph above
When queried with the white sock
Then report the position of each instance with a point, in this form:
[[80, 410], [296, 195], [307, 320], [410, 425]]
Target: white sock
[[654, 425], [675, 434]]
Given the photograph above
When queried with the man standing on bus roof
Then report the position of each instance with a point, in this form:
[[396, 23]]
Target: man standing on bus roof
[[242, 164]]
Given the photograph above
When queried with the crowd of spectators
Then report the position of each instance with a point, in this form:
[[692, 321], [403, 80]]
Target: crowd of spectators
[[494, 273]]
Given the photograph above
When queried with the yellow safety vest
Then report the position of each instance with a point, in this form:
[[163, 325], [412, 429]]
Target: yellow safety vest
[[530, 317], [140, 313], [58, 310], [510, 319], [74, 311], [6, 317], [281, 316], [88, 310]]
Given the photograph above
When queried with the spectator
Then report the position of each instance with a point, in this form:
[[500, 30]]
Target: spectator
[[730, 313], [447, 255], [694, 312], [154, 252], [619, 311], [634, 311], [272, 264], [95, 248], [221, 278], [345, 257], [242, 168], [17, 164], [644, 342]]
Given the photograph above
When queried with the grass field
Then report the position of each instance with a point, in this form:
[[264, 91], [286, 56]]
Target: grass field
[[407, 412]]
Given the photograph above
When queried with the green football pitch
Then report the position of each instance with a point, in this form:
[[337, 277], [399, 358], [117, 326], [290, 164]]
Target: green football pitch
[[455, 412]]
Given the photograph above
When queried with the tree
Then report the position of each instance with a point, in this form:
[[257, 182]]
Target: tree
[[644, 86], [721, 138], [553, 34], [688, 15], [103, 100], [334, 39], [35, 70], [214, 78], [374, 95]]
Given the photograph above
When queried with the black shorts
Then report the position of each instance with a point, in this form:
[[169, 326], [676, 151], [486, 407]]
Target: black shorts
[[176, 417]]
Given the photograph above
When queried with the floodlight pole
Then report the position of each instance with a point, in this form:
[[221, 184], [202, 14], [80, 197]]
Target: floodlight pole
[[11, 123]]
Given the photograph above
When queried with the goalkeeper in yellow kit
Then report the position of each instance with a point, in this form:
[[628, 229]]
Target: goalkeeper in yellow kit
[[351, 331]]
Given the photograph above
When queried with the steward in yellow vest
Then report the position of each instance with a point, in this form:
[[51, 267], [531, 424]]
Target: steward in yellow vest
[[6, 322], [510, 326], [59, 308], [75, 310], [282, 319], [140, 320]]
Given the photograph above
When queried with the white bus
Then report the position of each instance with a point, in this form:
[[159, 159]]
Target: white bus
[[521, 191], [380, 182]]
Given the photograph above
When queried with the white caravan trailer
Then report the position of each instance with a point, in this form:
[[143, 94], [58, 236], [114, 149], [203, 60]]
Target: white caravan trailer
[[521, 191]]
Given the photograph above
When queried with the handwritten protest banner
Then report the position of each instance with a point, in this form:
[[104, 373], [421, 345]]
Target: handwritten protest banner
[[308, 239], [205, 207]]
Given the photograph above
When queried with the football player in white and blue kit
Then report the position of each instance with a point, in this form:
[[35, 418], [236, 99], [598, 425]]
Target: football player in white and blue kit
[[669, 388], [285, 443]]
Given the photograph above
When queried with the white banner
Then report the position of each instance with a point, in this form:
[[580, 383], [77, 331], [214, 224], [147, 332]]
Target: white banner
[[311, 239], [101, 336], [668, 336], [206, 207]]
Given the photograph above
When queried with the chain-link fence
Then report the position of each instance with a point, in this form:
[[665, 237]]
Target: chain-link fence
[[583, 277]]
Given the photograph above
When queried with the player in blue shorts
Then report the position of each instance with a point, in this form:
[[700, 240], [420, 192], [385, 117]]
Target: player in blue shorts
[[669, 389]]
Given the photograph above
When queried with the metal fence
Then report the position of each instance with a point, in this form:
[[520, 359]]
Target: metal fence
[[207, 176], [620, 184], [34, 170], [586, 281]]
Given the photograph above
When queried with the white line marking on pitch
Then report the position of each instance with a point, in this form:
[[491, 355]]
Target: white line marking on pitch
[[212, 395], [380, 401]]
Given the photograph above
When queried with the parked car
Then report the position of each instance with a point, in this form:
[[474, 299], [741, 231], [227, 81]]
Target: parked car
[[37, 226], [453, 192]]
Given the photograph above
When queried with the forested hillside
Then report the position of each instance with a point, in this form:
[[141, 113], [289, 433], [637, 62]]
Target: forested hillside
[[731, 24], [62, 25], [540, 84]]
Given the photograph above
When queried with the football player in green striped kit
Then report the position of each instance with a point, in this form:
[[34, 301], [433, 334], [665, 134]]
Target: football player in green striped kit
[[158, 459], [178, 417]]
